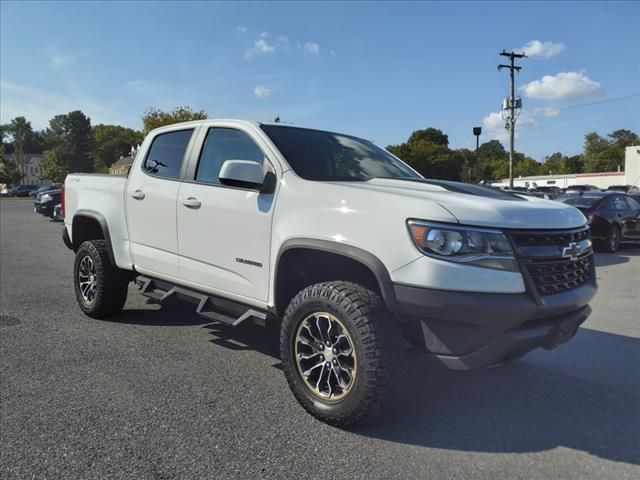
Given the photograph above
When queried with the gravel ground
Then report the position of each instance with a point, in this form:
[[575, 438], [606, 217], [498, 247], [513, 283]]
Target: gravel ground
[[158, 393]]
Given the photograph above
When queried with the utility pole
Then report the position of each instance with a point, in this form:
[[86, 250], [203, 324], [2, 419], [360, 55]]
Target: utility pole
[[511, 104]]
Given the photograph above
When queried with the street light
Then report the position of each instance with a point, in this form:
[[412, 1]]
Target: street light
[[477, 131]]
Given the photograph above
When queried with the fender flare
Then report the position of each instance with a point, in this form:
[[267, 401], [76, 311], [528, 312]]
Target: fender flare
[[98, 217], [367, 259]]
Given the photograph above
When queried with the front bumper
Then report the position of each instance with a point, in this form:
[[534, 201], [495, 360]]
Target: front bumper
[[472, 330]]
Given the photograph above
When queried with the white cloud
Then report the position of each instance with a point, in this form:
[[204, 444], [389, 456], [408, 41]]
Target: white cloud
[[260, 47], [241, 29], [311, 48], [562, 86], [495, 127], [263, 46], [264, 34], [261, 91], [39, 106], [59, 60], [536, 48]]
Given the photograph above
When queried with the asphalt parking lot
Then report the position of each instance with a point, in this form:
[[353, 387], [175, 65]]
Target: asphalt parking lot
[[159, 393]]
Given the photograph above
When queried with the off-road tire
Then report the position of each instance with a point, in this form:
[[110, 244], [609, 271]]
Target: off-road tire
[[377, 340], [111, 283]]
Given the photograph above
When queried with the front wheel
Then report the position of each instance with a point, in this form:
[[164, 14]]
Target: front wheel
[[612, 242], [342, 352], [100, 287]]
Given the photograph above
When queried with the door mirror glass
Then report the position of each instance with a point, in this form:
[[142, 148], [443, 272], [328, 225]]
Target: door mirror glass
[[242, 173]]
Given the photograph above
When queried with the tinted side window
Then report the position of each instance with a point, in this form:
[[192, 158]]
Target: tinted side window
[[633, 205], [606, 204], [166, 153], [619, 203], [224, 144]]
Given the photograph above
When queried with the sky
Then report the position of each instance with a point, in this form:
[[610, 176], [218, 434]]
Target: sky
[[376, 70]]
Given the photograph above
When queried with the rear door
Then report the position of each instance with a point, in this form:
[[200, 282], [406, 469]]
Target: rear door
[[224, 233], [634, 207], [151, 195]]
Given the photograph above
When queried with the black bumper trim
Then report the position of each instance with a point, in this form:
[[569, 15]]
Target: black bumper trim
[[472, 330]]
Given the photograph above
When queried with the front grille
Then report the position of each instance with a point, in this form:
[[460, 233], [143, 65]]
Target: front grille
[[540, 253], [560, 276], [532, 239]]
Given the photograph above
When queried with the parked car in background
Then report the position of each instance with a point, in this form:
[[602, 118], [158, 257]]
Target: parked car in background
[[582, 188], [46, 188], [4, 191], [58, 215], [613, 217], [623, 188], [22, 190], [47, 201], [549, 192]]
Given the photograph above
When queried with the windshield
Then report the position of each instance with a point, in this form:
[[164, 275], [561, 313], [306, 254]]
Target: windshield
[[325, 156], [584, 201]]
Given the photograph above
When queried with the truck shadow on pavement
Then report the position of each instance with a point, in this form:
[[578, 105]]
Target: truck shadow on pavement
[[587, 398], [584, 395], [621, 256]]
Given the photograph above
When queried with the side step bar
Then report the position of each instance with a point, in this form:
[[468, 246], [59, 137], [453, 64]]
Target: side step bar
[[209, 306]]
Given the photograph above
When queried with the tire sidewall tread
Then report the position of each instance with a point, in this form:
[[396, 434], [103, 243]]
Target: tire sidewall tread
[[377, 340], [112, 282]]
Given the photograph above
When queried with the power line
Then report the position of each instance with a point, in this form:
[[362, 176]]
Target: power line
[[601, 101]]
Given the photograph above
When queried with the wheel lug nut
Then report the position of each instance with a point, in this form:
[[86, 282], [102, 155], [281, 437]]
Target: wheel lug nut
[[335, 361], [335, 350]]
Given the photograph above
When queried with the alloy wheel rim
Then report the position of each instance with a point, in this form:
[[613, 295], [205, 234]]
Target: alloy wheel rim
[[325, 356], [614, 239], [87, 280]]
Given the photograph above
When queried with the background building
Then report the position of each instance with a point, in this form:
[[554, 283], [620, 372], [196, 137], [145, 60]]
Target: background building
[[630, 176]]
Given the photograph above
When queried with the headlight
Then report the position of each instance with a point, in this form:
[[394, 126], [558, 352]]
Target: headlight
[[45, 198], [475, 246]]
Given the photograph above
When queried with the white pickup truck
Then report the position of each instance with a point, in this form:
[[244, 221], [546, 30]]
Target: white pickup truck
[[349, 248]]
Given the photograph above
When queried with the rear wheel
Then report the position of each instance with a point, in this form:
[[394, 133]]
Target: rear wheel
[[342, 352], [100, 287]]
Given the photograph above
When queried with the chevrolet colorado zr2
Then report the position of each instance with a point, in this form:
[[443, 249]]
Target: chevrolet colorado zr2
[[352, 251]]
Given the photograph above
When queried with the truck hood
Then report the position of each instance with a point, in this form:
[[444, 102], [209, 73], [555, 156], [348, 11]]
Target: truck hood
[[482, 206]]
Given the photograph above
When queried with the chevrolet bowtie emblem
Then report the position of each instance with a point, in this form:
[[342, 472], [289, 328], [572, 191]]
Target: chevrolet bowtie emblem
[[571, 251]]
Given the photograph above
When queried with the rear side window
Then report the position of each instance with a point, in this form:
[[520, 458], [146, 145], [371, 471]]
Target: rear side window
[[224, 144], [167, 153], [619, 203]]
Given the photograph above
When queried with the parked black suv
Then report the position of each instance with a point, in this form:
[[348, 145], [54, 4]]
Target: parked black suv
[[46, 201]]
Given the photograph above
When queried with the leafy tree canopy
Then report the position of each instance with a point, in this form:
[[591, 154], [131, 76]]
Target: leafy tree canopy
[[154, 118]]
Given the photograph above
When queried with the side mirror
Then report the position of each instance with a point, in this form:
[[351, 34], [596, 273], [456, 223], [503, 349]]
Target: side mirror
[[242, 173]]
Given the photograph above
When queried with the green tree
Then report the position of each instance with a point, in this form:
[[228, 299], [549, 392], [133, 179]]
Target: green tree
[[52, 167], [154, 118], [494, 161], [70, 141], [428, 152], [20, 131], [432, 135], [598, 154], [111, 142], [624, 138], [9, 171]]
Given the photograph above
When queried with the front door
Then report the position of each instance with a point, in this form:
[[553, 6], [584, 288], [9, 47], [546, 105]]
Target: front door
[[150, 198], [224, 233]]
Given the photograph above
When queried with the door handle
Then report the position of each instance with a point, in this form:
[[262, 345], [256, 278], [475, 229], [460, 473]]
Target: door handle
[[191, 202], [138, 194]]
